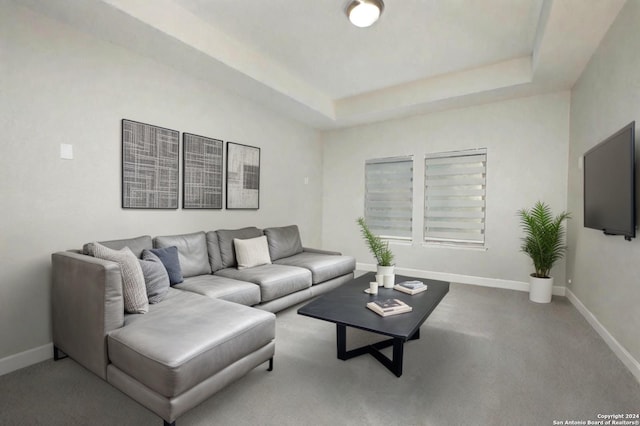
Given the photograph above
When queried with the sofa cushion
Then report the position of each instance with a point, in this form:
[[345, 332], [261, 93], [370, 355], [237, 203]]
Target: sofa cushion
[[207, 335], [223, 288], [274, 280], [323, 267], [192, 252], [171, 262], [283, 241], [252, 252], [136, 245], [134, 291], [225, 242], [156, 278], [213, 248]]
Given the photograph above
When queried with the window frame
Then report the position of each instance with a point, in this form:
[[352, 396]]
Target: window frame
[[473, 216], [409, 193]]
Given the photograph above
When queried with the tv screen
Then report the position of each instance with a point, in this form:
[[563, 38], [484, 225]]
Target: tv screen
[[609, 184]]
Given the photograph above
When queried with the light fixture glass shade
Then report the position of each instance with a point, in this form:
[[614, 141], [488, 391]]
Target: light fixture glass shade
[[364, 13]]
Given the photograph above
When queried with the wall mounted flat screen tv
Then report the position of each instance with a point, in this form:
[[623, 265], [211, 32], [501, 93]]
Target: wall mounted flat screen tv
[[609, 184]]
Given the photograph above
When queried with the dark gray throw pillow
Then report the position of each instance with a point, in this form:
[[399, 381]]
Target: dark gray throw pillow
[[171, 262], [156, 278]]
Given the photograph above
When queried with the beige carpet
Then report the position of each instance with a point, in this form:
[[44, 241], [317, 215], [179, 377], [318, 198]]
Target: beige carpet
[[485, 357]]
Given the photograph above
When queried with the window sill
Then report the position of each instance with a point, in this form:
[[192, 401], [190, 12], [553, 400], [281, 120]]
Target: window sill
[[407, 243], [455, 246]]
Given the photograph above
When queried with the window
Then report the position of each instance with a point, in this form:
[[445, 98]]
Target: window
[[388, 201], [455, 188]]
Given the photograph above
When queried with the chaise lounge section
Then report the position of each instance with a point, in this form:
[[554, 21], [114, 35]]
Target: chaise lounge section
[[207, 331]]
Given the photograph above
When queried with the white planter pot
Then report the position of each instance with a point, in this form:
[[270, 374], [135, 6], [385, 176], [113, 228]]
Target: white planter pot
[[388, 272], [540, 289]]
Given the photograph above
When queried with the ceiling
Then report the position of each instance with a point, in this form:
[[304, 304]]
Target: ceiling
[[413, 39], [304, 59]]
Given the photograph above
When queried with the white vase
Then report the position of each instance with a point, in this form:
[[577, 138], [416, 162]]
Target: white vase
[[540, 289], [387, 271]]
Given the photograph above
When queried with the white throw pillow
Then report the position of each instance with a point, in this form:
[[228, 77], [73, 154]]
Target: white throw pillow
[[252, 252], [133, 286]]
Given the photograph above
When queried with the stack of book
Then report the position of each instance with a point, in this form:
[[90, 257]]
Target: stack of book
[[411, 287], [388, 307]]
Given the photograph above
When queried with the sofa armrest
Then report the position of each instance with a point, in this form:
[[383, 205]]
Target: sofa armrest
[[87, 304], [319, 251]]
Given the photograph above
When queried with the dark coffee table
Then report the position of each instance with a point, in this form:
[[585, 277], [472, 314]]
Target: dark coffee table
[[346, 307]]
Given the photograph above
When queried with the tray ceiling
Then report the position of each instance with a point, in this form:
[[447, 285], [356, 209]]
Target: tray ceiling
[[304, 59]]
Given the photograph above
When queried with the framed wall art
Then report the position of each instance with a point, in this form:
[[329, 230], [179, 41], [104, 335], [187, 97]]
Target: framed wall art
[[202, 172], [243, 176], [150, 166]]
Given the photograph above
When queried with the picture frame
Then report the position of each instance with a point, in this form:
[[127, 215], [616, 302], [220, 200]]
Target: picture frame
[[150, 166], [202, 172], [243, 177]]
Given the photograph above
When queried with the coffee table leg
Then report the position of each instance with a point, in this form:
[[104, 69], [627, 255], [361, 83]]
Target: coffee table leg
[[398, 356], [416, 335], [341, 340], [394, 364]]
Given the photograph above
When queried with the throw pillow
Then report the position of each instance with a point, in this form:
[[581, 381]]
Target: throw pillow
[[171, 262], [133, 288], [156, 277], [252, 252], [227, 248]]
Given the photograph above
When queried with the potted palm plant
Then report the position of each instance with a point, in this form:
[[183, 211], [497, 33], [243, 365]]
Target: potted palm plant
[[543, 242], [379, 248]]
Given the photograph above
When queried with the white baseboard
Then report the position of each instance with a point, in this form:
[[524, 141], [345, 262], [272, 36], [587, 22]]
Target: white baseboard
[[26, 358], [627, 359], [463, 279]]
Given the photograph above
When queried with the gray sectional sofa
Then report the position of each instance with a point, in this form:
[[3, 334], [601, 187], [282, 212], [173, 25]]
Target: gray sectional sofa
[[207, 331]]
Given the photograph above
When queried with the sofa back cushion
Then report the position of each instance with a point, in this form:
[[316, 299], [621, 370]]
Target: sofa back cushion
[[225, 242], [136, 245], [283, 241], [192, 252], [215, 259]]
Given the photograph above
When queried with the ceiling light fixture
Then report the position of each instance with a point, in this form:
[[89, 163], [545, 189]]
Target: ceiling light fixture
[[364, 13]]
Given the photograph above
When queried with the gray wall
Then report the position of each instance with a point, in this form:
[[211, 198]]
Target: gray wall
[[527, 149], [61, 86], [605, 270]]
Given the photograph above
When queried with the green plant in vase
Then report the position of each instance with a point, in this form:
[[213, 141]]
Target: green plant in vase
[[544, 243], [377, 247]]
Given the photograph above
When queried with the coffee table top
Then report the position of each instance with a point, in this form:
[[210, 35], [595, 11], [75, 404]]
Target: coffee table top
[[346, 305]]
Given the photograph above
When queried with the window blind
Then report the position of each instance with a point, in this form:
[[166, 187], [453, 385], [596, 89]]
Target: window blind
[[455, 190], [389, 196]]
